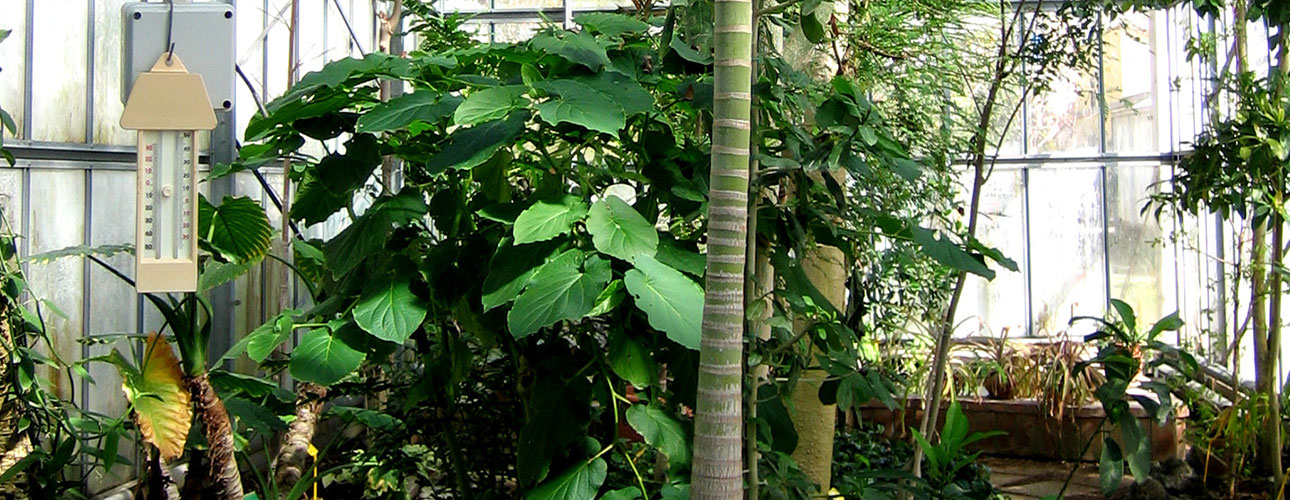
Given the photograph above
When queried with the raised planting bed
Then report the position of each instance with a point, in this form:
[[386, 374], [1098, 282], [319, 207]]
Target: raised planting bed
[[1030, 432]]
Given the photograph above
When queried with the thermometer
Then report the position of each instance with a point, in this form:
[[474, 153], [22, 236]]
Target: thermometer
[[167, 105]]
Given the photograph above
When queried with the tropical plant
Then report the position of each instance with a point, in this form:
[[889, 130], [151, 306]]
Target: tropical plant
[[1124, 350], [950, 455]]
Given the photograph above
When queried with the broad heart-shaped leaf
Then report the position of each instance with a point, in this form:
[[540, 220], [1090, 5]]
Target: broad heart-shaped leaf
[[619, 230], [610, 24], [661, 431], [621, 89], [369, 231], [323, 359], [390, 311], [469, 147], [490, 104], [161, 403], [565, 288], [673, 303], [577, 47], [949, 254], [314, 203], [510, 270], [237, 228], [580, 482], [421, 106], [548, 218], [577, 103]]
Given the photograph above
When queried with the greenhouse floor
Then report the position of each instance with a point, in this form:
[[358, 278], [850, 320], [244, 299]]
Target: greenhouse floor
[[1026, 479]]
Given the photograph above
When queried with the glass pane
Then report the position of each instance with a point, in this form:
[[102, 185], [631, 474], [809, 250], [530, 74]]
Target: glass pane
[[1131, 76], [107, 76], [1066, 239], [465, 5], [1140, 261], [520, 4], [1065, 118], [600, 4], [990, 307], [59, 63], [12, 60], [57, 215], [514, 32]]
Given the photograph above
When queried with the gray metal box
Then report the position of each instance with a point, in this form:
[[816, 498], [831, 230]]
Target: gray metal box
[[203, 38]]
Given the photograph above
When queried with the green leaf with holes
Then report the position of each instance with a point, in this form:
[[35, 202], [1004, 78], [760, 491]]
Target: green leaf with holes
[[323, 358], [672, 302], [390, 311], [619, 230], [238, 228]]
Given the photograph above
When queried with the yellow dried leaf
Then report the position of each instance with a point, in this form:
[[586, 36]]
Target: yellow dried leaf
[[162, 405]]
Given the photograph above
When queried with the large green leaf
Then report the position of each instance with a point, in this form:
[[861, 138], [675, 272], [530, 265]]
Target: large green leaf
[[469, 147], [564, 289], [423, 106], [1110, 467], [580, 482], [548, 218], [631, 361], [323, 359], [673, 303], [218, 273], [314, 203], [577, 47], [263, 340], [368, 232], [159, 399], [621, 89], [661, 431], [344, 173], [237, 228], [949, 254], [490, 104], [510, 270], [611, 24], [619, 230], [390, 311], [580, 104]]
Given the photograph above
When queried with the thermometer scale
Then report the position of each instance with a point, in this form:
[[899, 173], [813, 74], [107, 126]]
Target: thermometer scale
[[167, 105]]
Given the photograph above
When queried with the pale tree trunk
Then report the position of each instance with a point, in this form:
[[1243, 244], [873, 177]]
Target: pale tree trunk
[[293, 454], [825, 267], [718, 429]]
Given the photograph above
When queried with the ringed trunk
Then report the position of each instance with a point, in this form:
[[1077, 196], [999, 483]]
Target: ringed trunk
[[718, 435]]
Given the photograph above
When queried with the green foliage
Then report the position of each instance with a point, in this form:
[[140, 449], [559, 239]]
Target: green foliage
[[949, 455]]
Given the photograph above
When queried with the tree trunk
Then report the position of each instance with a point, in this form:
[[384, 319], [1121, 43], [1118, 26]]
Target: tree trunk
[[14, 446], [825, 267], [293, 455], [219, 437], [718, 435], [761, 286]]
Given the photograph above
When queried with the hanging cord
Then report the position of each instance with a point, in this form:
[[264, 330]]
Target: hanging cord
[[170, 29]]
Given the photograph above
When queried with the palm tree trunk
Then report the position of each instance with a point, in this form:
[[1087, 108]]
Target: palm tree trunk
[[718, 434], [219, 437]]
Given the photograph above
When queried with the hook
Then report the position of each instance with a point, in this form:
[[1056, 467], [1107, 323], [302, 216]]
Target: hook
[[170, 54]]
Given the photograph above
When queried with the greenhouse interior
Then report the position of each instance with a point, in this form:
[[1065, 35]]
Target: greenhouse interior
[[644, 250]]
